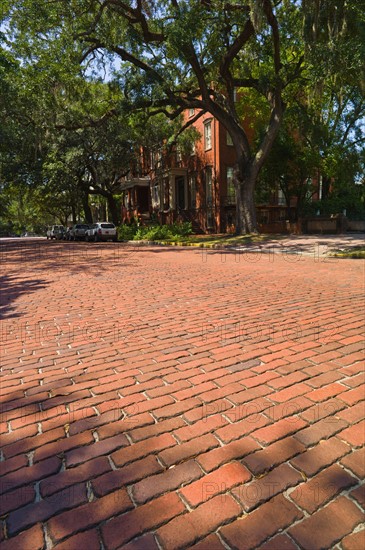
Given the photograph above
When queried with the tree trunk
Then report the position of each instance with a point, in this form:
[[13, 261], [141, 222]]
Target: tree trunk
[[114, 209], [86, 207], [246, 221], [326, 184]]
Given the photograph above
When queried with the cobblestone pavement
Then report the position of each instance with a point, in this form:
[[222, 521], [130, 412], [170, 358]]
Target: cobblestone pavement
[[171, 398]]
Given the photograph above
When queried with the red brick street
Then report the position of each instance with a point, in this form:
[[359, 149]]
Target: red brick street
[[166, 398]]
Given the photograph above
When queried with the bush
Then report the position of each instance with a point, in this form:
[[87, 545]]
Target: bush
[[154, 232], [127, 232], [182, 229]]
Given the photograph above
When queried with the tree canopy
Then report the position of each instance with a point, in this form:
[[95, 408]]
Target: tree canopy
[[164, 57]]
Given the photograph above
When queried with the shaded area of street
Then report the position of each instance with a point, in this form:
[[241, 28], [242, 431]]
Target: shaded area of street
[[174, 398]]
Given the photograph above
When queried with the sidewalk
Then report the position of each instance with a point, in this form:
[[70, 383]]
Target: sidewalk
[[166, 398], [312, 245], [299, 245]]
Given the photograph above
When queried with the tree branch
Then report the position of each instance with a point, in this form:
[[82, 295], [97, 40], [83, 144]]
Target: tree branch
[[237, 45], [90, 124]]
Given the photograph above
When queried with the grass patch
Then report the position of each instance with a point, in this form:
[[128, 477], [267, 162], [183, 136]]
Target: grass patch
[[219, 241], [355, 253], [181, 235]]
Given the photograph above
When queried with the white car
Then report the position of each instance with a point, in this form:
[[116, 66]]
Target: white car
[[101, 231], [55, 232], [78, 231]]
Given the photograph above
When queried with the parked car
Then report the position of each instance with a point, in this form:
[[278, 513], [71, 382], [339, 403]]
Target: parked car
[[66, 234], [77, 231], [102, 231], [55, 232]]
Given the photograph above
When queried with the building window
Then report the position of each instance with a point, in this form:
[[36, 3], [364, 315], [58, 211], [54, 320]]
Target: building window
[[309, 193], [178, 154], [231, 194], [193, 149], [156, 195], [281, 197], [208, 135], [180, 193], [166, 193], [229, 140], [192, 185], [209, 186], [191, 112], [263, 216]]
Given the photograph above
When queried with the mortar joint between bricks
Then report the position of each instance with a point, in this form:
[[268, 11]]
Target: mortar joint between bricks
[[184, 501], [359, 528], [63, 462], [30, 456], [219, 440], [96, 410], [95, 436], [47, 537], [352, 474], [131, 496], [154, 417], [38, 496], [287, 494], [112, 465], [89, 492], [4, 528], [162, 463], [222, 541], [231, 402], [157, 541], [128, 437], [346, 493], [287, 534], [227, 418]]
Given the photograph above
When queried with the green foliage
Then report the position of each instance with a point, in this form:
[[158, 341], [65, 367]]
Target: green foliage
[[127, 232], [348, 198], [81, 78], [154, 232]]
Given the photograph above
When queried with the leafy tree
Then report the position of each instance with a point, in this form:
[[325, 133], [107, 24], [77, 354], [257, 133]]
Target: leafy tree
[[175, 55], [195, 54], [332, 117], [288, 168], [323, 131]]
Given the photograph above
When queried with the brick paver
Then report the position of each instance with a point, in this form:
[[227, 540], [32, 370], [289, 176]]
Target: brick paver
[[170, 398]]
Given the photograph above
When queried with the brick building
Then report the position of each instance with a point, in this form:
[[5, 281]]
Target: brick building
[[197, 186]]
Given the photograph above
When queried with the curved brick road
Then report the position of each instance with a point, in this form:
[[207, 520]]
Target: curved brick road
[[162, 398]]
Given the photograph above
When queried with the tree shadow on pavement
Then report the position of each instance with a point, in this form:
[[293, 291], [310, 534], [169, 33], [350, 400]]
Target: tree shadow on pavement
[[60, 258], [11, 287]]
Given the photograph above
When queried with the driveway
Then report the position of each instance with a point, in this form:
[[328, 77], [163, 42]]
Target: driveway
[[180, 398]]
